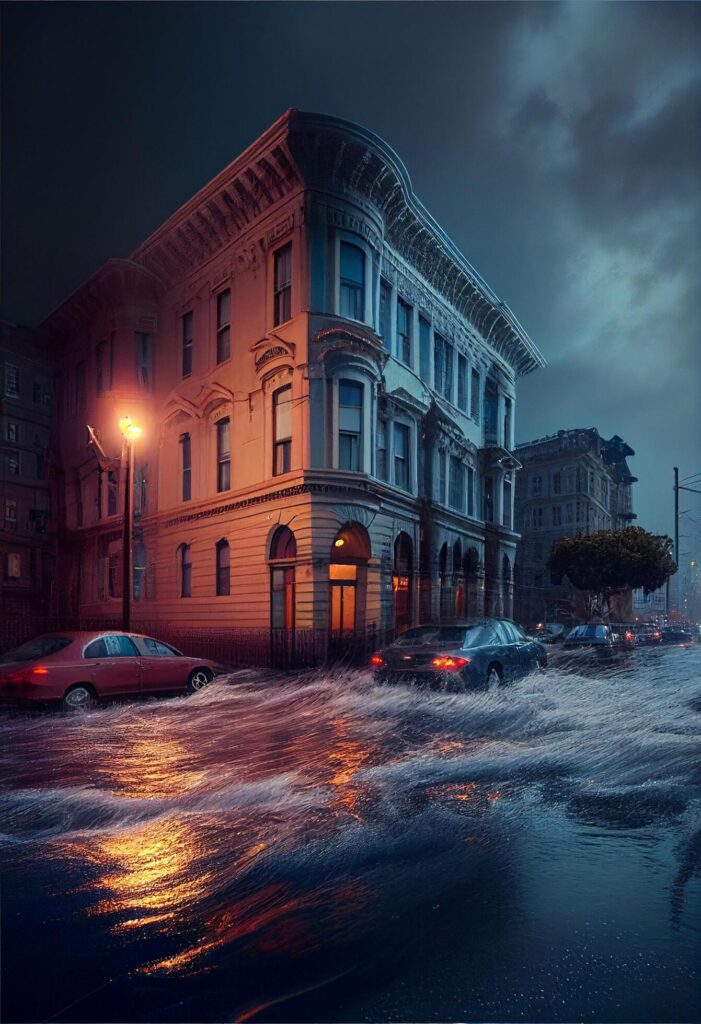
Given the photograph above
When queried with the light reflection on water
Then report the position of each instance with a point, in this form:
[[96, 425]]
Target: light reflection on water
[[275, 831]]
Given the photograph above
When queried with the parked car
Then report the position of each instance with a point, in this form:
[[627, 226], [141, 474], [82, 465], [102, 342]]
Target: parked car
[[676, 635], [78, 668], [591, 635], [549, 632], [472, 653], [649, 638]]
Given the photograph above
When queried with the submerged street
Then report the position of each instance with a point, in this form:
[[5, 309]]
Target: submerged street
[[321, 848]]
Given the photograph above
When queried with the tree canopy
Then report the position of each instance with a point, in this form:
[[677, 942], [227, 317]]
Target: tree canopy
[[612, 561]]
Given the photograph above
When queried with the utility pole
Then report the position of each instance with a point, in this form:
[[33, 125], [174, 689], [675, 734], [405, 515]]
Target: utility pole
[[128, 461], [676, 515]]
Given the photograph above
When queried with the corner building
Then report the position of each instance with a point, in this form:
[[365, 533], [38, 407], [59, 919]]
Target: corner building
[[326, 390]]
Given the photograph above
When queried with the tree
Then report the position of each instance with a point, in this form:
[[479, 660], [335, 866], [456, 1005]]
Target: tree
[[610, 562]]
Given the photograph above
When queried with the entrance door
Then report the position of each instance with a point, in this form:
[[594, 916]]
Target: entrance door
[[282, 597], [343, 580]]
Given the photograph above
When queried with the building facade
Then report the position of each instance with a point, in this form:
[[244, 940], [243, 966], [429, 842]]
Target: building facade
[[573, 482], [326, 391], [27, 529]]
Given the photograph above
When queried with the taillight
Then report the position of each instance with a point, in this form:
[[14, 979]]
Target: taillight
[[376, 660], [657, 635], [629, 636], [40, 670], [450, 663]]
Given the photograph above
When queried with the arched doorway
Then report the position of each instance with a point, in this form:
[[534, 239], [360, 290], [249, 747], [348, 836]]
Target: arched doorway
[[283, 553], [402, 580], [350, 552]]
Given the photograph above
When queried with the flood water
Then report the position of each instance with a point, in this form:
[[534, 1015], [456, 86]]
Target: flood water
[[319, 848]]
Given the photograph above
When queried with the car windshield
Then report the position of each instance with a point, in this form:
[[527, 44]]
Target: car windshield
[[40, 647], [588, 632]]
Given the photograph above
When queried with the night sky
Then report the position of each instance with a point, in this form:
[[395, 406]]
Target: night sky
[[558, 145]]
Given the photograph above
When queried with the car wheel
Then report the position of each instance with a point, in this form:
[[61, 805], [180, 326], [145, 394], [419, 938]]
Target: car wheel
[[78, 697], [199, 679], [494, 677]]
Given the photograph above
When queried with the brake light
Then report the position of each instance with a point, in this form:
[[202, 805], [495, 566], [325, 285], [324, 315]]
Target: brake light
[[40, 670], [376, 660], [449, 663], [629, 636], [657, 635]]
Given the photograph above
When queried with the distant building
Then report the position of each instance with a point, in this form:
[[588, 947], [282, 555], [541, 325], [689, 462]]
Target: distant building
[[573, 482], [327, 393], [27, 527]]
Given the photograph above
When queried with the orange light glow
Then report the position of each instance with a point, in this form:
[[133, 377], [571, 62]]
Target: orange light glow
[[40, 670], [450, 663], [129, 429], [339, 542], [377, 660]]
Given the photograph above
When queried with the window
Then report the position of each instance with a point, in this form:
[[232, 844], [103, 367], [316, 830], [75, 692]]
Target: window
[[11, 381], [282, 430], [401, 456], [101, 383], [381, 449], [475, 397], [143, 360], [186, 328], [462, 383], [79, 386], [470, 491], [223, 325], [112, 486], [385, 300], [536, 485], [10, 510], [350, 415], [507, 422], [114, 576], [490, 406], [488, 499], [404, 331], [223, 572], [14, 565], [424, 350], [537, 551], [186, 466], [557, 515], [580, 511], [569, 512], [443, 366], [36, 392], [506, 509], [12, 432], [352, 292], [156, 649], [557, 482], [223, 455], [111, 647], [456, 498], [538, 518], [185, 570], [12, 465], [283, 284]]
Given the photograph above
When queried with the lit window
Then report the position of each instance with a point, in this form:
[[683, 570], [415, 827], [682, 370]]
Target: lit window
[[185, 571], [350, 414], [401, 456], [223, 571], [223, 455], [14, 565], [282, 430], [223, 325], [404, 331], [186, 466], [12, 432], [187, 343], [283, 284], [352, 293]]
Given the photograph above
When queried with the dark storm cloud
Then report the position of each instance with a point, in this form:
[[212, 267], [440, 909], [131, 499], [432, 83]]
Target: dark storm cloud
[[558, 144]]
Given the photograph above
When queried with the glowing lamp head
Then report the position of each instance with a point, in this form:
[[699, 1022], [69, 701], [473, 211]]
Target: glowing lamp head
[[129, 429], [339, 542]]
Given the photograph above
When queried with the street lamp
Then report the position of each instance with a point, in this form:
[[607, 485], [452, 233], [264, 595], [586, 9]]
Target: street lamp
[[130, 432]]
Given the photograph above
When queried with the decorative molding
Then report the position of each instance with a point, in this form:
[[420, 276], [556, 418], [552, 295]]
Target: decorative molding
[[353, 224], [355, 514], [282, 228]]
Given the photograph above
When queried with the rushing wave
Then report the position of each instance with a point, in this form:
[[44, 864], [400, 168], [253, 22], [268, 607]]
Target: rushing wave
[[280, 821]]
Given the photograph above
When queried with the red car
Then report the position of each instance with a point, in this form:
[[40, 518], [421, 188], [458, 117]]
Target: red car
[[79, 668]]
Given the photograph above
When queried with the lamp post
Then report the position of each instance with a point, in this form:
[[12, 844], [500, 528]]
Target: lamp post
[[130, 432]]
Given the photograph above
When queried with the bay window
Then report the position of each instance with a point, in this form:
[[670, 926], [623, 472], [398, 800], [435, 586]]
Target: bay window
[[352, 282], [350, 418]]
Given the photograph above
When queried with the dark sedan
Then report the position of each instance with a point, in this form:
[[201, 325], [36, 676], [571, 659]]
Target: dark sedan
[[478, 653]]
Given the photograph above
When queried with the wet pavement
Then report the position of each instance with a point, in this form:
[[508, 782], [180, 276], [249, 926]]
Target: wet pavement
[[319, 848]]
